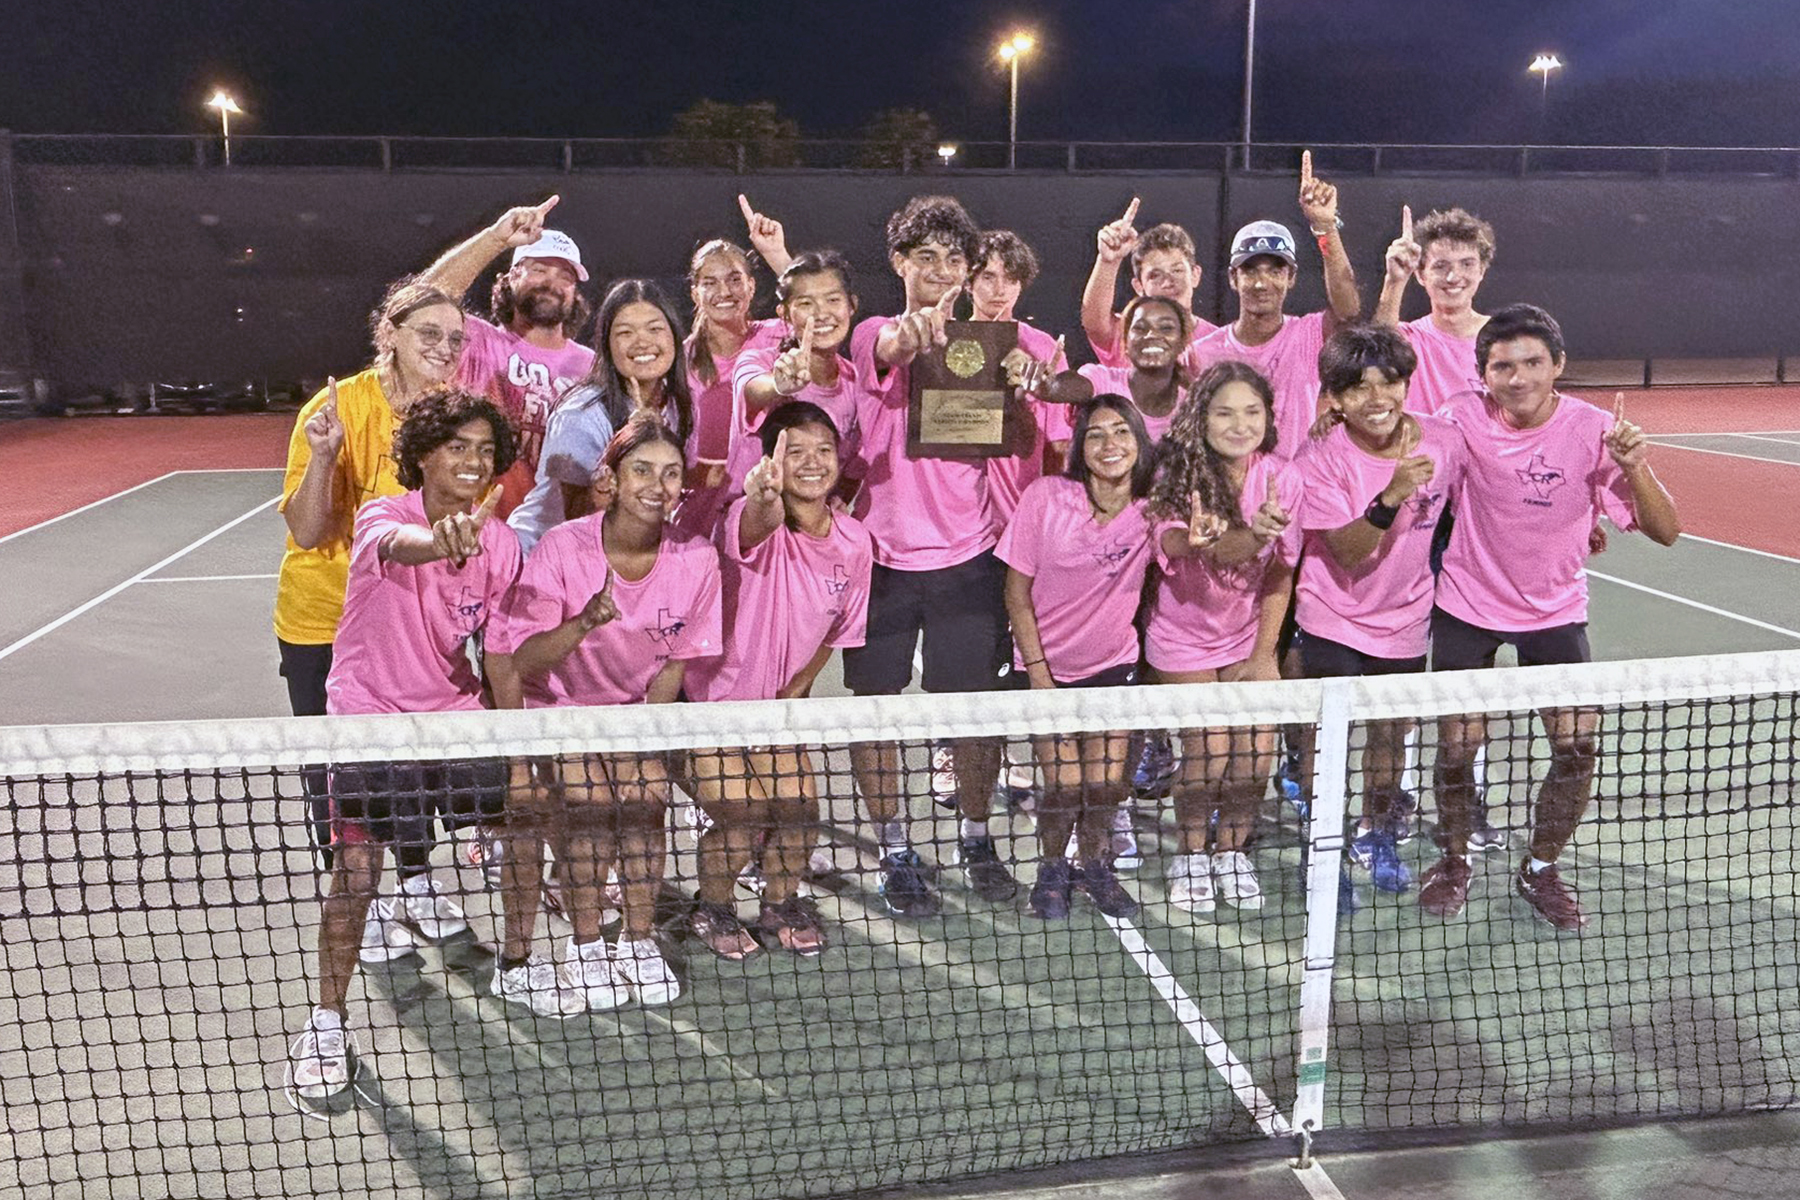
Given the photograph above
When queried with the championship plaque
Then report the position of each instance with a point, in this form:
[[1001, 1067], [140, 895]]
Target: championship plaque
[[960, 406]]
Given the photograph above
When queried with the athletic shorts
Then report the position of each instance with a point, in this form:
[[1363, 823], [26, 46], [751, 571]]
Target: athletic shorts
[[369, 800], [1322, 658], [1123, 675], [1457, 645], [960, 610]]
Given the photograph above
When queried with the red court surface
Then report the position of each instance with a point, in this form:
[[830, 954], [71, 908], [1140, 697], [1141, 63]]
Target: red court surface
[[54, 464], [1743, 409]]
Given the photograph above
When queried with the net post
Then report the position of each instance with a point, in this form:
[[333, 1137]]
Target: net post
[[1325, 851]]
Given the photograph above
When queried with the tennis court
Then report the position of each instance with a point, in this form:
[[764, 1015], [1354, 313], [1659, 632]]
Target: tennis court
[[154, 932]]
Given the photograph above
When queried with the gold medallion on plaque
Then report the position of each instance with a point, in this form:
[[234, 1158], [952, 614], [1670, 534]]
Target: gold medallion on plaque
[[965, 358]]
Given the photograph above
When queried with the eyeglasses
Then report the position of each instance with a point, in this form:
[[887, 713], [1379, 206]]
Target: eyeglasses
[[431, 335]]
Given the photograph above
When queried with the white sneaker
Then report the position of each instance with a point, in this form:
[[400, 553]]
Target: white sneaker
[[535, 984], [592, 975], [384, 938], [1020, 775], [943, 777], [321, 1059], [640, 966], [1190, 883], [430, 913], [1125, 853], [1238, 885]]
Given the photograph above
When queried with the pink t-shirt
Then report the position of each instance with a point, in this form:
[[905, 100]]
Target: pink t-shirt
[[924, 513], [1205, 617], [1446, 366], [713, 432], [399, 647], [791, 594], [841, 402], [1524, 509], [524, 380], [1382, 606], [1117, 381], [1289, 361], [1086, 578], [1009, 477], [1114, 354], [671, 613]]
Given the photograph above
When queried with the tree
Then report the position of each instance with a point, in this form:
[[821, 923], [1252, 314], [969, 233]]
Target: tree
[[898, 137], [710, 133]]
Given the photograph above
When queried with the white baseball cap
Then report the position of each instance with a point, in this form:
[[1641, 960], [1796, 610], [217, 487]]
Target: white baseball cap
[[1263, 237], [553, 243]]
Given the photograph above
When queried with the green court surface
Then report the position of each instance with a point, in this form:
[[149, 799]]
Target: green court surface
[[157, 941]]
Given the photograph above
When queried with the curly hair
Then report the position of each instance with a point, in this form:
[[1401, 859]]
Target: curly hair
[[694, 350], [404, 297], [504, 308], [1456, 225], [1163, 237], [940, 219], [433, 419], [615, 397], [1187, 463], [1017, 259]]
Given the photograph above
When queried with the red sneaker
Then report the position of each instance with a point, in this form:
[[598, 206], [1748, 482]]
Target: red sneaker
[[1444, 888], [1552, 899]]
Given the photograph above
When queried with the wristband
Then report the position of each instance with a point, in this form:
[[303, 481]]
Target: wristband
[[1380, 515], [1032, 662]]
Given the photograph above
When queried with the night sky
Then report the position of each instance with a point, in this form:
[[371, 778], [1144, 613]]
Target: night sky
[[1685, 72]]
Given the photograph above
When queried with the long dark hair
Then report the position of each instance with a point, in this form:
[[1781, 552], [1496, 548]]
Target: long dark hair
[[615, 397], [1143, 472], [694, 350], [814, 262], [640, 430], [1186, 463]]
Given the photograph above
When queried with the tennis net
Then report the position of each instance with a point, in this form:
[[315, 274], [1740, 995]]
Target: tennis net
[[160, 904]]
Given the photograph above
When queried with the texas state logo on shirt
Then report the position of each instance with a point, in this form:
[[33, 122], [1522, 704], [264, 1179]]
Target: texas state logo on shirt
[[1110, 557], [835, 585], [465, 608], [1539, 480], [1426, 508], [665, 632]]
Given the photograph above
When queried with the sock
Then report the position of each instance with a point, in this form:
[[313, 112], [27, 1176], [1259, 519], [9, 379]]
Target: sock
[[324, 1019], [974, 831], [1534, 865], [892, 836], [417, 885]]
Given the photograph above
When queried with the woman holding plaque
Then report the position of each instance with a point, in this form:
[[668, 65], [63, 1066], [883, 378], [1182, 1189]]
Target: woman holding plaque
[[1227, 547]]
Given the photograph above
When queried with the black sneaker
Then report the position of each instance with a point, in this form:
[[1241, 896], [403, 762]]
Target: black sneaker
[[1102, 887], [1050, 894], [906, 885], [988, 876]]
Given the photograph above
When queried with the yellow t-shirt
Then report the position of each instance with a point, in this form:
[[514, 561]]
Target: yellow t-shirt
[[309, 596]]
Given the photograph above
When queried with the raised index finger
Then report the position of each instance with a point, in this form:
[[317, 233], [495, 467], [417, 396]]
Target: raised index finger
[[544, 208], [1618, 408], [806, 341], [488, 503], [1130, 212], [1406, 222], [745, 207], [331, 392], [1306, 175]]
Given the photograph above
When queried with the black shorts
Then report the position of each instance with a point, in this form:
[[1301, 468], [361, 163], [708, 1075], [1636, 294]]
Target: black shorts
[[1322, 658], [1123, 675], [1457, 645], [961, 611], [370, 800]]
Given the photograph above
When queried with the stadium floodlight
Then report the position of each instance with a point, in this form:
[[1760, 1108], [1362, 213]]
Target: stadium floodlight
[[1011, 51], [1542, 65], [222, 101], [947, 151]]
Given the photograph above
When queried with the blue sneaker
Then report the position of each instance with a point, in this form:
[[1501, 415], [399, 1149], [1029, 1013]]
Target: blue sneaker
[[1155, 768], [1386, 871], [1359, 852], [1287, 779], [906, 885]]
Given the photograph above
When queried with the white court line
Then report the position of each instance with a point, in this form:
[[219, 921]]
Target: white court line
[[204, 578], [1782, 439], [1707, 608], [110, 592], [1236, 1075], [1317, 1183], [135, 487], [1694, 537], [1780, 462]]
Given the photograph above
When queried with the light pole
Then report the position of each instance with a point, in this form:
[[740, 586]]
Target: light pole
[[947, 151], [1011, 51], [1249, 75], [1543, 64], [226, 106]]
